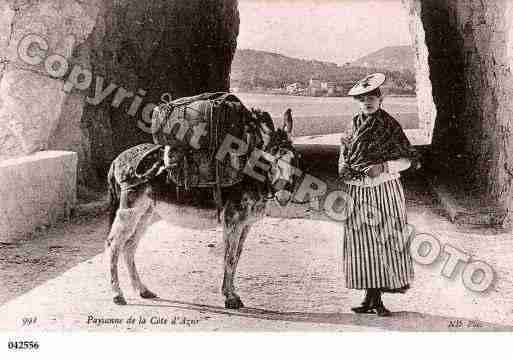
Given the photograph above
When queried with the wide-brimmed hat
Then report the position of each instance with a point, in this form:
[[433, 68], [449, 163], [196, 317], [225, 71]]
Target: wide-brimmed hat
[[367, 84]]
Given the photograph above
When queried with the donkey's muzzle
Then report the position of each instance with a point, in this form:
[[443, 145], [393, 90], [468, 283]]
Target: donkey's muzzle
[[283, 197]]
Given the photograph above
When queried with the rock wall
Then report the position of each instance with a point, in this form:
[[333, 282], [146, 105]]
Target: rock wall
[[446, 75], [32, 102], [149, 48], [88, 80], [470, 60], [424, 91]]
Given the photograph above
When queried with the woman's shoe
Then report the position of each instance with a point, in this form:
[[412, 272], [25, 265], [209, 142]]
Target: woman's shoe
[[367, 304], [379, 308], [381, 311], [363, 309]]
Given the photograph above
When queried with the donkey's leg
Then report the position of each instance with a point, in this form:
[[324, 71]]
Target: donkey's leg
[[240, 246], [231, 236], [234, 240], [123, 227], [129, 254]]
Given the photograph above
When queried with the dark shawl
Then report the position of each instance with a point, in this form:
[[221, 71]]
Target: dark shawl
[[376, 138]]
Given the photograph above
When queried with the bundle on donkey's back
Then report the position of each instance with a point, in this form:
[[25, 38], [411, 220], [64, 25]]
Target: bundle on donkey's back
[[239, 164]]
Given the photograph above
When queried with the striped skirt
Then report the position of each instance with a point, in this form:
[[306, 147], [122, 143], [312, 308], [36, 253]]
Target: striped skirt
[[376, 238]]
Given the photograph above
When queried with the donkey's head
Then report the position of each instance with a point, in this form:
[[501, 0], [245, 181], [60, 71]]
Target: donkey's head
[[282, 157]]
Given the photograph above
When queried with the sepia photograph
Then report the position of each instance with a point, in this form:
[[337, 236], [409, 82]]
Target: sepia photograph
[[255, 166]]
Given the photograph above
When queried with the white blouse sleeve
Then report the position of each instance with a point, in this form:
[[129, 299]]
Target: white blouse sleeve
[[341, 160], [399, 165]]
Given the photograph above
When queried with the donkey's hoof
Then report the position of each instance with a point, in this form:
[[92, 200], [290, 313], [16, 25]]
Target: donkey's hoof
[[233, 303], [148, 294], [119, 300]]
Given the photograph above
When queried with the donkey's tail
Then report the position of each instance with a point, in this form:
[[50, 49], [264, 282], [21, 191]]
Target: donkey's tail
[[113, 194]]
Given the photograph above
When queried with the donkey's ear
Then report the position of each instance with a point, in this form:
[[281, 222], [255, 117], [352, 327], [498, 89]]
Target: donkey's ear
[[287, 121]]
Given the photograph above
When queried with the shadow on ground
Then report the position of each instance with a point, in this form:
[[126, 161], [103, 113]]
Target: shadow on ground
[[399, 321]]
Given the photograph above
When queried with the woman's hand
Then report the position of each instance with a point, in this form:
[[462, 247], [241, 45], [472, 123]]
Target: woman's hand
[[375, 170], [345, 174], [345, 140]]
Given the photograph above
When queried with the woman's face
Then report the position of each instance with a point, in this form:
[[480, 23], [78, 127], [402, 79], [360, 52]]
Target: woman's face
[[368, 103]]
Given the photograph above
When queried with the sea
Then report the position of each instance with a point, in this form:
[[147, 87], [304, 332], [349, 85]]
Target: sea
[[325, 115]]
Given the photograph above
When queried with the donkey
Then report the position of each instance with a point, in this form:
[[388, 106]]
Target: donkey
[[243, 204]]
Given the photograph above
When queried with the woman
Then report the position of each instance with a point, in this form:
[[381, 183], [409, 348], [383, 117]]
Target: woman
[[376, 252]]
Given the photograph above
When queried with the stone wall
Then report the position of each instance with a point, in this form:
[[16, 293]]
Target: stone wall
[[36, 190], [35, 112]]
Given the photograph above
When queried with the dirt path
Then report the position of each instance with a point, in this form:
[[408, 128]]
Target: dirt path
[[48, 253]]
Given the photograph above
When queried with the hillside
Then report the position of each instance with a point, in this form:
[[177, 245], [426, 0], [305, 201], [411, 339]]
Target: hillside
[[395, 58], [254, 70]]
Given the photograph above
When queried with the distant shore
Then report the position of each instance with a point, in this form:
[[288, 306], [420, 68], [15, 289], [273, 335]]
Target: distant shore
[[326, 115], [279, 93]]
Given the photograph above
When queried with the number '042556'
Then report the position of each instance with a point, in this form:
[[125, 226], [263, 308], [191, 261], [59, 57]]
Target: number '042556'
[[22, 345]]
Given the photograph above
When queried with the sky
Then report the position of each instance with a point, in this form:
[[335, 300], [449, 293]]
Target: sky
[[327, 30]]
